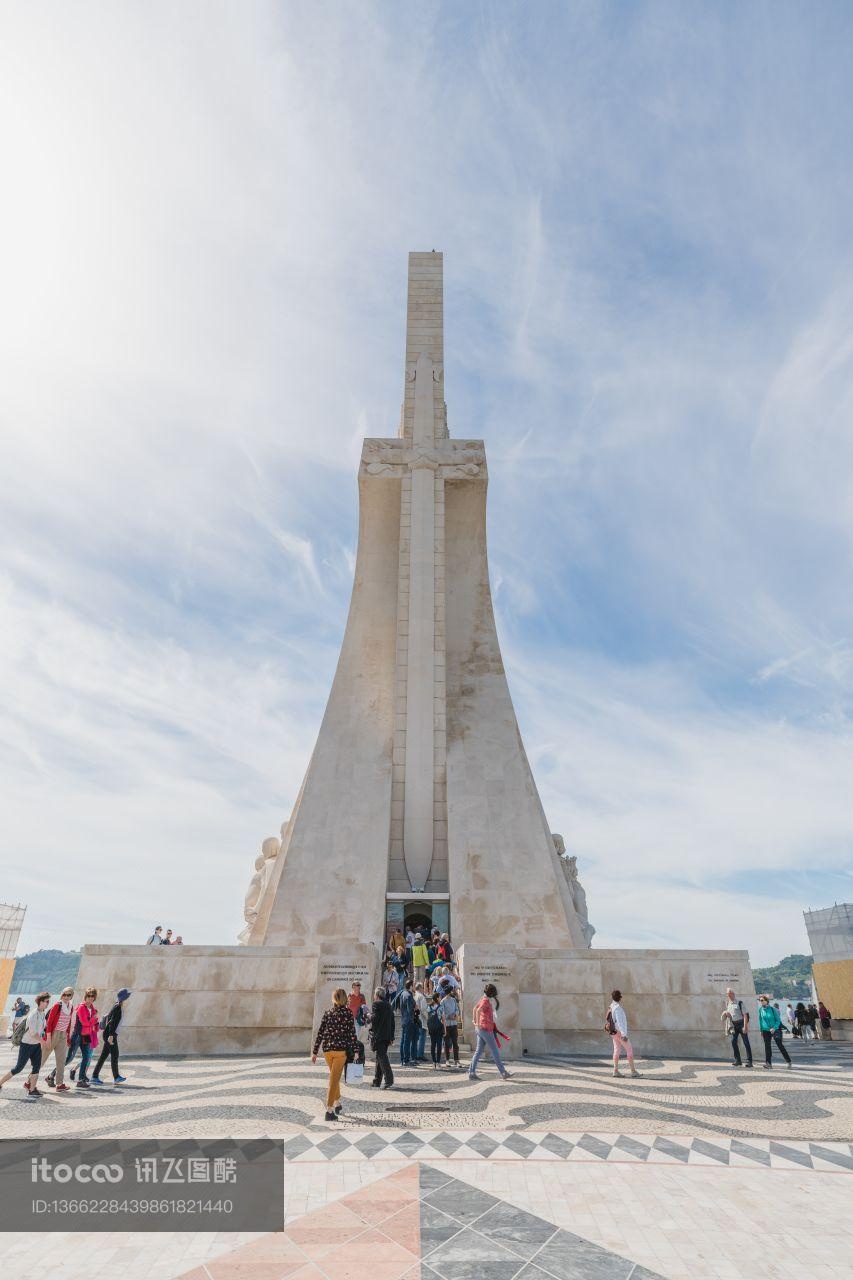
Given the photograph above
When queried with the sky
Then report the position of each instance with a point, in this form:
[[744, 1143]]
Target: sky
[[645, 219]]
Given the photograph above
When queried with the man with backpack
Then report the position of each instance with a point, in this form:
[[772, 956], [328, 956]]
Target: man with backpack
[[109, 1026], [736, 1021]]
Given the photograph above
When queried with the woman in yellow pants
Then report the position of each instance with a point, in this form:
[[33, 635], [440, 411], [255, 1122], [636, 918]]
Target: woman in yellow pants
[[336, 1037]]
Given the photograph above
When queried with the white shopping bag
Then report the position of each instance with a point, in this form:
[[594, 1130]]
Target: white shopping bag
[[354, 1073]]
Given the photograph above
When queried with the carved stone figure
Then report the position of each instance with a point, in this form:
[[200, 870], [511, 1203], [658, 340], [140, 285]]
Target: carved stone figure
[[569, 864], [264, 862]]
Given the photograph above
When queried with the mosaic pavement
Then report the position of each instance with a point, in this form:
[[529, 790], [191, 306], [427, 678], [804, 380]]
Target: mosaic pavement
[[695, 1170], [248, 1097]]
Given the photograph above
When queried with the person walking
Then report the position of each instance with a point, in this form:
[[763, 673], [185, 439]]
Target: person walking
[[825, 1021], [29, 1050], [450, 1013], [435, 1026], [357, 1004], [420, 959], [422, 1007], [85, 1036], [814, 1023], [336, 1037], [736, 1018], [58, 1029], [485, 1026], [381, 1038], [770, 1025], [806, 1034], [408, 1042], [617, 1018], [791, 1018], [110, 1028]]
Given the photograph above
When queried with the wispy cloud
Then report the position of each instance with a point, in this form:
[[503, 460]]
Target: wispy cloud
[[646, 233]]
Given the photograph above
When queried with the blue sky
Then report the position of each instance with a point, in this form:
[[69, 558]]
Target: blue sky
[[644, 212]]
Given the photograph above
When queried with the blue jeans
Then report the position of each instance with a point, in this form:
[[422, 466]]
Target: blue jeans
[[407, 1043], [421, 1053], [85, 1059], [486, 1040]]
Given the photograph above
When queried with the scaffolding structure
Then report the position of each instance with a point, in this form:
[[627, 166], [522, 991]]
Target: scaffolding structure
[[830, 932], [11, 922]]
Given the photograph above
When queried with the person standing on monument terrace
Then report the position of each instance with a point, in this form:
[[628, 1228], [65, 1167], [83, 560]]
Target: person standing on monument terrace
[[357, 1003], [381, 1038], [806, 1033], [57, 1038], [736, 1019], [814, 1022], [336, 1037], [422, 1007], [110, 1028], [396, 941], [486, 1028], [770, 1025], [420, 958], [408, 1041], [449, 1009], [619, 1021], [435, 1026], [156, 939], [29, 1050], [85, 1035]]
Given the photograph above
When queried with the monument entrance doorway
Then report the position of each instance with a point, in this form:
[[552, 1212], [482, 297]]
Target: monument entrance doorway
[[419, 912]]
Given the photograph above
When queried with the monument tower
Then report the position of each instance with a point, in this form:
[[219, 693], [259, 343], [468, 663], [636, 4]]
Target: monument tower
[[418, 803]]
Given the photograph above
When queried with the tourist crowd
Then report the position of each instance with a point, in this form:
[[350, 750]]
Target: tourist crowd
[[420, 983], [63, 1030], [421, 986]]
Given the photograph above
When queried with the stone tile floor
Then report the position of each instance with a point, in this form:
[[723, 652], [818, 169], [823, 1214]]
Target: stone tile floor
[[696, 1170]]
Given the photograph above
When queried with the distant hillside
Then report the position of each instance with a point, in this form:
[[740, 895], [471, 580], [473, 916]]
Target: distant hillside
[[790, 977], [45, 971]]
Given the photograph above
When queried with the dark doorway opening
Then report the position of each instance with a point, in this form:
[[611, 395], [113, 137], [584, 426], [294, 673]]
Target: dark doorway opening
[[419, 920]]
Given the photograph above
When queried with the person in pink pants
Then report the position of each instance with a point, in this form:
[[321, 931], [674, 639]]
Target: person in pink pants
[[621, 1042]]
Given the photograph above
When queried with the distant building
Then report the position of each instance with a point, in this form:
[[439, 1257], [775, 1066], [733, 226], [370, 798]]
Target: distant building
[[830, 933], [11, 920]]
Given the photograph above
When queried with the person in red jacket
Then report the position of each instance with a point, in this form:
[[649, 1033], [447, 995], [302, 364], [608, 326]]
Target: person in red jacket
[[86, 1035], [58, 1029]]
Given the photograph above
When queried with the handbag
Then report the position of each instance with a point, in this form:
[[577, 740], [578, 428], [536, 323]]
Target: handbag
[[354, 1073]]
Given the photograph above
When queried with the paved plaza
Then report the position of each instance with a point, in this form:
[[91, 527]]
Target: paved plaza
[[696, 1169]]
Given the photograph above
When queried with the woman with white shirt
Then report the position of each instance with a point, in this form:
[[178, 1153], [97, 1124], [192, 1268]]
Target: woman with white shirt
[[29, 1050], [619, 1022], [58, 1030]]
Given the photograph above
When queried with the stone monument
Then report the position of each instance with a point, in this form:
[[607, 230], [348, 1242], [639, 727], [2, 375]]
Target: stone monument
[[418, 805]]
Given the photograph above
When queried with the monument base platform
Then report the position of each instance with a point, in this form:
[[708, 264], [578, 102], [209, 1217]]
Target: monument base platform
[[251, 1000], [221, 1000], [556, 1001]]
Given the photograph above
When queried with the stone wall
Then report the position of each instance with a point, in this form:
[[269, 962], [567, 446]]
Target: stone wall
[[207, 1000], [673, 999]]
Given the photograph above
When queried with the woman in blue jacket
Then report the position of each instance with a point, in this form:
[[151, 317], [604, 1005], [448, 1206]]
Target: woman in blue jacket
[[770, 1025]]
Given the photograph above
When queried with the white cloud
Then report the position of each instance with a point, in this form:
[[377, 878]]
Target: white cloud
[[207, 209]]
